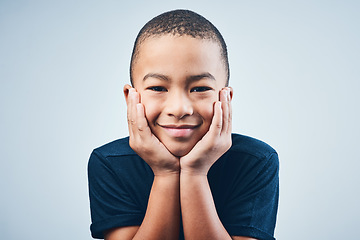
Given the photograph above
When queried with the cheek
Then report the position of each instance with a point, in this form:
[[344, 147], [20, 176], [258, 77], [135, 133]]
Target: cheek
[[206, 110], [151, 108]]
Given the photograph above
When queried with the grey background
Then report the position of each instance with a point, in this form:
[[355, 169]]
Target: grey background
[[294, 69]]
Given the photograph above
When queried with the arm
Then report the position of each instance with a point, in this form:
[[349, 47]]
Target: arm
[[200, 218], [199, 214], [162, 217]]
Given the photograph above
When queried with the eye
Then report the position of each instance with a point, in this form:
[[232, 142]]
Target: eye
[[157, 89], [200, 89]]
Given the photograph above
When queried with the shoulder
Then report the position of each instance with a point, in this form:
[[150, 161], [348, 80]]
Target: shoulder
[[242, 144], [245, 187], [117, 160], [119, 147], [108, 154], [252, 153]]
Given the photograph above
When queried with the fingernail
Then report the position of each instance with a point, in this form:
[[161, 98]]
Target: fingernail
[[132, 92], [225, 94]]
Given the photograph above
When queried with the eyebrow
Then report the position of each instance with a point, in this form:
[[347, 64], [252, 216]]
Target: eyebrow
[[200, 76], [193, 78], [156, 75]]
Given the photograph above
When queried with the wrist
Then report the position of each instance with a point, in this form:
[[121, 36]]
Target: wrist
[[167, 172], [163, 167], [167, 178], [193, 172], [194, 168]]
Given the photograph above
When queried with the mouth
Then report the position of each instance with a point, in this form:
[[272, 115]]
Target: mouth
[[179, 131]]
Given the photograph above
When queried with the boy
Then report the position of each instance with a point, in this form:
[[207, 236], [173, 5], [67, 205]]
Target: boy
[[181, 174]]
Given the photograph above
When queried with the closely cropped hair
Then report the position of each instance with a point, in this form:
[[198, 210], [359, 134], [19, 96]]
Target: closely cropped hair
[[180, 23]]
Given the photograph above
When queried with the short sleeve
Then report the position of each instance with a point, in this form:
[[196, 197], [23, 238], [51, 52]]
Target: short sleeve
[[252, 206], [111, 205]]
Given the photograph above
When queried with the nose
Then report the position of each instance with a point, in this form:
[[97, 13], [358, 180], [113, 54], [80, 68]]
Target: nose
[[179, 105]]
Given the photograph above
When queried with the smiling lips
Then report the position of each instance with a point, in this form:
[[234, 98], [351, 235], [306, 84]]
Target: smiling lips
[[179, 131]]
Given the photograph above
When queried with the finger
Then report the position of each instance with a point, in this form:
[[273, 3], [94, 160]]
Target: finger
[[224, 98], [141, 122], [229, 112], [134, 99], [230, 115], [130, 118], [216, 124]]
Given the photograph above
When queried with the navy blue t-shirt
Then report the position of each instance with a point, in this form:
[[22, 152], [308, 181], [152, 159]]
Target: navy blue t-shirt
[[244, 183]]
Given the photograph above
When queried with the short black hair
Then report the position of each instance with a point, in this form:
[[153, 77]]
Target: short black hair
[[180, 23]]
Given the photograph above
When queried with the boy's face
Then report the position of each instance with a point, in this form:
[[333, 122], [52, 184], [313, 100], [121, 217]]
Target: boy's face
[[178, 79]]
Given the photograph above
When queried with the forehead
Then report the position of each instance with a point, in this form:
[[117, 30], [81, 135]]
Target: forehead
[[179, 57]]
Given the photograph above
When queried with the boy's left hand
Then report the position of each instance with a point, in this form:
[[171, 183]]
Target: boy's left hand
[[214, 143]]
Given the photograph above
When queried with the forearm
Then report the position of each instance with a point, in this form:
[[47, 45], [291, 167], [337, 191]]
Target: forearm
[[200, 219], [162, 218]]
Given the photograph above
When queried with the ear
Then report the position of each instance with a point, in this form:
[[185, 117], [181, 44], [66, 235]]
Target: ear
[[126, 89], [231, 92]]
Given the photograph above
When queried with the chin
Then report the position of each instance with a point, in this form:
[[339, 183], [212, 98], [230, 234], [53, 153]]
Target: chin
[[180, 152]]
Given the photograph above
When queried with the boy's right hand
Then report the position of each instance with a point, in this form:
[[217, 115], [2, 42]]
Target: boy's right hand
[[144, 142]]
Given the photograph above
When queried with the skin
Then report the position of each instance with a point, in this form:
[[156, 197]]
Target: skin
[[179, 118]]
